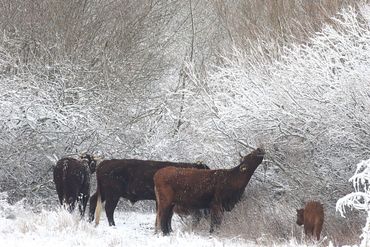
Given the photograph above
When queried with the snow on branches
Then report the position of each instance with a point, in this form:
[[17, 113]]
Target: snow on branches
[[360, 199], [307, 106]]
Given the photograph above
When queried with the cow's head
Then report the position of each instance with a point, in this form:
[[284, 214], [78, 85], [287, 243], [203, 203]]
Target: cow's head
[[91, 161], [252, 160], [300, 216]]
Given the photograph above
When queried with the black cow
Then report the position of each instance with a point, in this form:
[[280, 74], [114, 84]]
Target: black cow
[[72, 181], [128, 178]]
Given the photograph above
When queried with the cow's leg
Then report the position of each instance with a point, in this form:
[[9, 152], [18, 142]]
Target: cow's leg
[[164, 209], [316, 232], [72, 198], [92, 206], [71, 204], [60, 194], [308, 229], [169, 218], [196, 216], [110, 206], [80, 202], [305, 237], [84, 197], [216, 216], [158, 211], [156, 226], [166, 213], [83, 204], [159, 214]]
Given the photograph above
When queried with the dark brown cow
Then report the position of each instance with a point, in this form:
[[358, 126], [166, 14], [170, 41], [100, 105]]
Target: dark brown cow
[[312, 218], [72, 181], [217, 190], [128, 178]]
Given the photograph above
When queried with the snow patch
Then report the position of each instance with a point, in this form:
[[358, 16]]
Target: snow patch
[[59, 228]]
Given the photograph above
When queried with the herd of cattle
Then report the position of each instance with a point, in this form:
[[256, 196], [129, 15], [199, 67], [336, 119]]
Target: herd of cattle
[[184, 188]]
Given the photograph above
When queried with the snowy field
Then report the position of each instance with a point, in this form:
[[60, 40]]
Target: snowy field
[[20, 226]]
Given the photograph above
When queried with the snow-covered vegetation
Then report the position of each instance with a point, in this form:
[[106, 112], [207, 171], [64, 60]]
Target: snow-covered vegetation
[[308, 108], [360, 199], [187, 80], [20, 227]]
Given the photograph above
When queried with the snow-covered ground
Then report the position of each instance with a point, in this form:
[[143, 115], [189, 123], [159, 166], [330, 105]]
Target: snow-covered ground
[[20, 226]]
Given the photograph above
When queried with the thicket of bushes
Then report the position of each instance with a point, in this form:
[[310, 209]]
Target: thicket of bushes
[[188, 80]]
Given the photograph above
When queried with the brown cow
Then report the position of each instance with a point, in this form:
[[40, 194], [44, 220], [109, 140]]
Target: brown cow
[[312, 217], [217, 190], [72, 181], [128, 178]]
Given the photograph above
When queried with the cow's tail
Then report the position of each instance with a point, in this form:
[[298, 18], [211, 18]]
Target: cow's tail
[[98, 205], [66, 199]]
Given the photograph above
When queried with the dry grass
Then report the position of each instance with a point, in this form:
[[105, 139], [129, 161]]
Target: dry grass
[[277, 21], [276, 223]]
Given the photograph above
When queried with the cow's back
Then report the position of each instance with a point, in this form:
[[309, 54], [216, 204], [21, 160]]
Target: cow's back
[[313, 213], [72, 173], [131, 178], [313, 218], [62, 169], [190, 186]]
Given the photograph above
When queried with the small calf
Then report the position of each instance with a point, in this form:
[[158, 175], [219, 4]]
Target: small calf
[[312, 218]]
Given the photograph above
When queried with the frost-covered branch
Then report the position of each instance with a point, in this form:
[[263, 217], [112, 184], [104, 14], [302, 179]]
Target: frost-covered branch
[[308, 108], [360, 199]]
